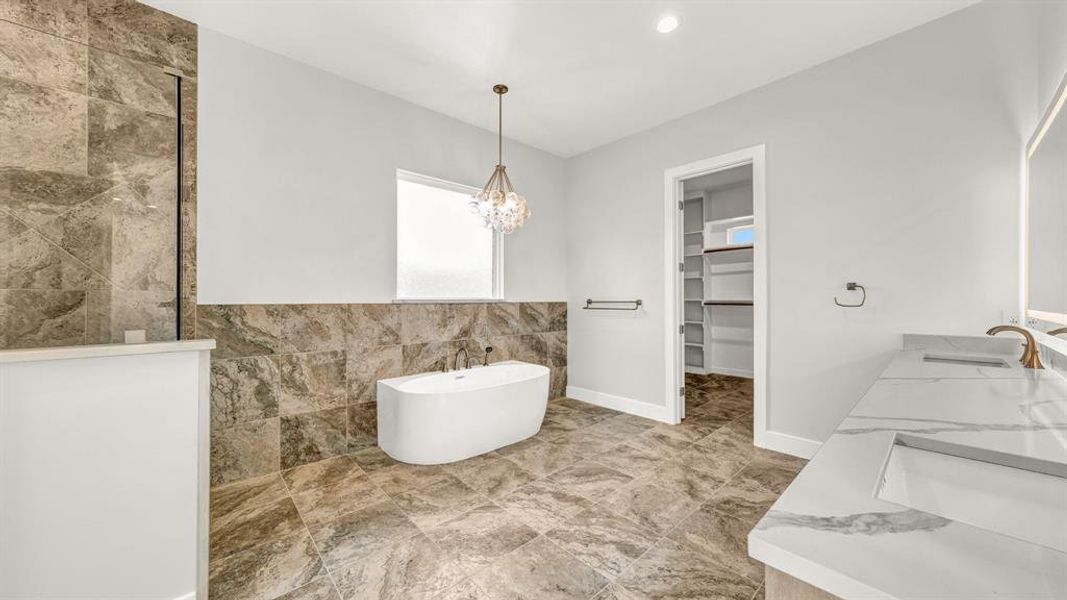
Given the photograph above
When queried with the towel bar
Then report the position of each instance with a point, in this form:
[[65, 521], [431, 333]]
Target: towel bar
[[589, 302]]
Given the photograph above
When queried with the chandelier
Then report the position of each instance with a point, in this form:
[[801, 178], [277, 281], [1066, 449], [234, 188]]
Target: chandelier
[[499, 206]]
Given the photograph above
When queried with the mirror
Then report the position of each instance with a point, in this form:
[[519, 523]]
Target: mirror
[[1046, 238]]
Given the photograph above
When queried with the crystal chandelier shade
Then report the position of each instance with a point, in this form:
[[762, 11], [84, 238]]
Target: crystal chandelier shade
[[498, 205]]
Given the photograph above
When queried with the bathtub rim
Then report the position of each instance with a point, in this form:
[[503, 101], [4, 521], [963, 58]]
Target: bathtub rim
[[394, 382]]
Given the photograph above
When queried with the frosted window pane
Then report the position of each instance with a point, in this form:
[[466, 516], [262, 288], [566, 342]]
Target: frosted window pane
[[443, 251], [741, 235]]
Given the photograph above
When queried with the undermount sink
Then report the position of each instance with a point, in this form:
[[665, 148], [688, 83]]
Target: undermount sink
[[970, 361], [1017, 496]]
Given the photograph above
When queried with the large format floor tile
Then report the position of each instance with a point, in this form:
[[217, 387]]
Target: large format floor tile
[[597, 506], [539, 570]]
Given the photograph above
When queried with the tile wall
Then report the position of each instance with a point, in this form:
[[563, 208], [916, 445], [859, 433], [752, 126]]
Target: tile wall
[[295, 384], [88, 171]]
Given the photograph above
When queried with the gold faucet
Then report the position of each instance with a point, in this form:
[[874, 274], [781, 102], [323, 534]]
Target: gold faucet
[[1030, 358]]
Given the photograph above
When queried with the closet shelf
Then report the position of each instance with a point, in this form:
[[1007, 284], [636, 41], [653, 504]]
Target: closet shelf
[[694, 322], [727, 303], [727, 248], [730, 220]]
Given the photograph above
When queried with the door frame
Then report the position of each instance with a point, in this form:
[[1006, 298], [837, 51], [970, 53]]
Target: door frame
[[673, 179]]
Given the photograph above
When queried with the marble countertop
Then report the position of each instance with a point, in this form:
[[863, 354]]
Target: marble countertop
[[830, 530]]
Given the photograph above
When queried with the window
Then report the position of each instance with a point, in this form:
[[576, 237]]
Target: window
[[442, 250], [744, 234]]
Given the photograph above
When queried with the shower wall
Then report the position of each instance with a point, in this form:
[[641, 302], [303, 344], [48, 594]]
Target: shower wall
[[89, 151]]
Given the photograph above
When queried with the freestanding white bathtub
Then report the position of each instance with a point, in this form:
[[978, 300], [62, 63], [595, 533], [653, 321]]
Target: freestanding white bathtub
[[436, 418]]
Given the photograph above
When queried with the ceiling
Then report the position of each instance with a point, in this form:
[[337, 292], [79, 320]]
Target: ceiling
[[582, 73]]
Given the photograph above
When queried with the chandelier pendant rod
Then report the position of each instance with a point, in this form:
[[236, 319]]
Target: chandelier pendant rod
[[500, 128]]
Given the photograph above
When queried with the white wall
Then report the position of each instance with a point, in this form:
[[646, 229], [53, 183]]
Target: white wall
[[297, 188], [1052, 50], [896, 166]]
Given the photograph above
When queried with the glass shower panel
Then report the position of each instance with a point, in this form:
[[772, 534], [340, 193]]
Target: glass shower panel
[[89, 241]]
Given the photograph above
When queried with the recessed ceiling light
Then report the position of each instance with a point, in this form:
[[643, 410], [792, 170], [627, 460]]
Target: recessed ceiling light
[[667, 24]]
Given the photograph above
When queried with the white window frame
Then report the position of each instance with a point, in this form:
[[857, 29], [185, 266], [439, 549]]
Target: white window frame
[[498, 241]]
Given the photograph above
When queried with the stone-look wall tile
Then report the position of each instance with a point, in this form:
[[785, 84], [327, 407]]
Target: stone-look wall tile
[[425, 358], [422, 323], [143, 242], [131, 82], [244, 451], [362, 426], [143, 33], [41, 318], [189, 154], [504, 319], [65, 18], [534, 316], [50, 139], [111, 235], [190, 100], [259, 329], [37, 197], [41, 59], [311, 437], [364, 369], [529, 348], [85, 233], [243, 390], [311, 382], [42, 128], [557, 316], [129, 144], [372, 325], [556, 343], [113, 312], [9, 226], [29, 261], [557, 385], [188, 282]]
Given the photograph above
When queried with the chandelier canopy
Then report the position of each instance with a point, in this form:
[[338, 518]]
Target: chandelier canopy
[[499, 206]]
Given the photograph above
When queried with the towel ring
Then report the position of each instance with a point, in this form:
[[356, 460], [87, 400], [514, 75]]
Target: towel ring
[[852, 286]]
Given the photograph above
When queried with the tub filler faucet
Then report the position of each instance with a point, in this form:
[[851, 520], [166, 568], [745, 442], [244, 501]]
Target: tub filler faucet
[[466, 356]]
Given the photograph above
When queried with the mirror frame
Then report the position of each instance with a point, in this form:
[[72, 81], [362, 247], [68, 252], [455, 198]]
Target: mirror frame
[[1053, 110]]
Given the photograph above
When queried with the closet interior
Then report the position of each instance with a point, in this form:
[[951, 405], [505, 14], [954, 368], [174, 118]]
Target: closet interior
[[719, 241]]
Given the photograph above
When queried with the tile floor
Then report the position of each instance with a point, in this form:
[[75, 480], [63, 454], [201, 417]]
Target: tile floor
[[597, 505]]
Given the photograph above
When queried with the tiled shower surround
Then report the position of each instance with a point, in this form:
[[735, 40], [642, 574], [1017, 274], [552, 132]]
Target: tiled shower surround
[[295, 384], [88, 171]]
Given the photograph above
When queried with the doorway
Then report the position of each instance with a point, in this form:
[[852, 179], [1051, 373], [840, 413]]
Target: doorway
[[716, 283]]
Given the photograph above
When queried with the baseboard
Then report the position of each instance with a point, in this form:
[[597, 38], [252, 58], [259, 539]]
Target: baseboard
[[619, 403], [731, 372], [787, 444]]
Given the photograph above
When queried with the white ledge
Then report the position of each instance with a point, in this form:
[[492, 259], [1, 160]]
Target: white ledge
[[95, 351]]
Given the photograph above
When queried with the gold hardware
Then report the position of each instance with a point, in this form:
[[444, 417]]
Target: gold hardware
[[1030, 358], [1057, 331]]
